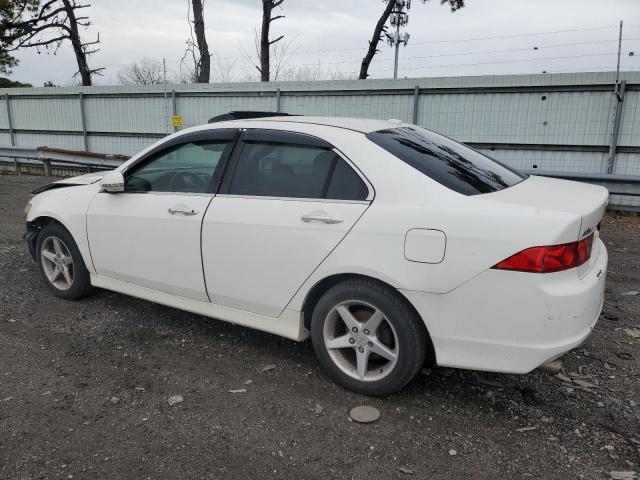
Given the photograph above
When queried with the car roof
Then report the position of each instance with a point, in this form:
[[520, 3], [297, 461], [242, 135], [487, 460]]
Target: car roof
[[363, 125]]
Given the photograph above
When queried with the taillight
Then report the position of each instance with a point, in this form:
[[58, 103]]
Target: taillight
[[553, 258]]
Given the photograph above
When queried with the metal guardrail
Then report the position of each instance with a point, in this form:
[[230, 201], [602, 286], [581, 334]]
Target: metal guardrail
[[628, 185], [50, 156]]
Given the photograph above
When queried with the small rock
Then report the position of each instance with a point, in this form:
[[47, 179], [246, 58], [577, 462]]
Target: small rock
[[238, 390], [268, 368], [248, 382], [623, 475], [364, 414], [115, 400], [318, 409], [12, 320], [584, 384], [632, 403], [609, 447], [632, 332], [174, 400], [453, 452], [526, 429], [405, 470]]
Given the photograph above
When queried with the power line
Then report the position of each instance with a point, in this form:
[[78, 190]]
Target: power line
[[436, 42], [504, 61]]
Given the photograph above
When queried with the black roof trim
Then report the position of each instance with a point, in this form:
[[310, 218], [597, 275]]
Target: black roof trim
[[245, 114]]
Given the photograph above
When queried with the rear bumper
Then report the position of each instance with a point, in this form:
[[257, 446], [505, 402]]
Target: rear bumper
[[511, 321]]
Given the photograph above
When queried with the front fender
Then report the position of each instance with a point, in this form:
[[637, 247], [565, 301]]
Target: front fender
[[67, 206]]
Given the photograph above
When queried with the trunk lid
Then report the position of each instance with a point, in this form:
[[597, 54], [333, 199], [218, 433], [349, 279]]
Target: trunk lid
[[584, 200]]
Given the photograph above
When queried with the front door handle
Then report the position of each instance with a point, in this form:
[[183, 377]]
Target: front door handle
[[320, 217], [182, 210]]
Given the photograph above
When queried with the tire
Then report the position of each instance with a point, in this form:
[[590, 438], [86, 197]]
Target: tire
[[342, 353], [56, 249]]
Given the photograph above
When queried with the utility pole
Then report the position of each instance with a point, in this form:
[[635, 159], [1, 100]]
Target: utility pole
[[619, 54], [399, 18]]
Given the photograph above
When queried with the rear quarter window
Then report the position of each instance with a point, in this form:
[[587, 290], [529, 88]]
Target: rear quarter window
[[452, 164]]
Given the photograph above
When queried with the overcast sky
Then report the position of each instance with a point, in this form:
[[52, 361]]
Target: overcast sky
[[485, 37]]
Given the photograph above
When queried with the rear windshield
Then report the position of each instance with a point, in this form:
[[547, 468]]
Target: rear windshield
[[450, 163]]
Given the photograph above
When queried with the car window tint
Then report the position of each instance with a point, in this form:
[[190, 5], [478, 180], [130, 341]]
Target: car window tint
[[282, 170], [187, 168], [446, 161], [346, 184]]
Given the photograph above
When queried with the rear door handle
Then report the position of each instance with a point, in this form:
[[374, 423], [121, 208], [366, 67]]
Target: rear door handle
[[182, 210], [320, 217]]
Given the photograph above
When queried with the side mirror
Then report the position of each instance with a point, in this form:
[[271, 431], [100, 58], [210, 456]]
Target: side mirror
[[112, 182]]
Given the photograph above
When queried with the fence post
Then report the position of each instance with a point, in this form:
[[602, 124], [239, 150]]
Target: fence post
[[416, 104], [84, 122], [174, 102], [278, 100], [46, 165], [611, 166], [12, 135]]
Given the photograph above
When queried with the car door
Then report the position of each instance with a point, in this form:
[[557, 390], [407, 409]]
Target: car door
[[285, 203], [149, 235]]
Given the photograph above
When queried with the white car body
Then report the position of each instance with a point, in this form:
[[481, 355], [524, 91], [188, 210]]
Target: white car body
[[250, 260]]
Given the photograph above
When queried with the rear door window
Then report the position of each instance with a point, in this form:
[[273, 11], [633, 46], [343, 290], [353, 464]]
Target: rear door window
[[279, 169], [452, 164]]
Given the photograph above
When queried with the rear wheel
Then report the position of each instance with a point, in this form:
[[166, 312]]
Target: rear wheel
[[367, 337], [61, 264]]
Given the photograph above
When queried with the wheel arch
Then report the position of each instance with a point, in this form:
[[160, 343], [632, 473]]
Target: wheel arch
[[314, 294], [33, 230]]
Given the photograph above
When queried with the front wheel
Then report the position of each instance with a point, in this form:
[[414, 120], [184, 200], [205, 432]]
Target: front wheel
[[367, 337], [61, 264]]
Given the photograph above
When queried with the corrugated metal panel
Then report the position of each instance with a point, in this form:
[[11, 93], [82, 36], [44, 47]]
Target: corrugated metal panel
[[120, 145], [562, 118], [198, 110], [628, 164], [49, 114], [630, 127], [551, 161], [70, 142], [363, 106], [113, 114]]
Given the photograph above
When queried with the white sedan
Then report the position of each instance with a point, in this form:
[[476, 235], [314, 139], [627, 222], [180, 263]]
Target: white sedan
[[389, 244]]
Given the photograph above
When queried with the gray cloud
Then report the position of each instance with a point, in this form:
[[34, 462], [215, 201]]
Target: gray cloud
[[337, 33]]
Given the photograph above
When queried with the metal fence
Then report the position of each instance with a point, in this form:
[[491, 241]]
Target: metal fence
[[570, 123]]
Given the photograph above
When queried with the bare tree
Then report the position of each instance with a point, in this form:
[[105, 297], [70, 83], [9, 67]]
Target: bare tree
[[197, 47], [144, 72], [222, 68], [380, 31], [312, 72], [46, 25], [279, 53], [265, 43]]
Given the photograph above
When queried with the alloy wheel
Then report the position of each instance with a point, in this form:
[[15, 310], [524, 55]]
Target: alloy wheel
[[57, 263], [361, 340]]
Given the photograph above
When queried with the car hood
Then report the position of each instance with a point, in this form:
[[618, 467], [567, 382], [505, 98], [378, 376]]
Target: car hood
[[86, 179]]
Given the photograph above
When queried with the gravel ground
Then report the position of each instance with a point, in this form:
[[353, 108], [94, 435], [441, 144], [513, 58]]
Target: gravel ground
[[84, 389]]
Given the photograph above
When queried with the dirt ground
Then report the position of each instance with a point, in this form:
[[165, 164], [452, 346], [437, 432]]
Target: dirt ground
[[84, 389]]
